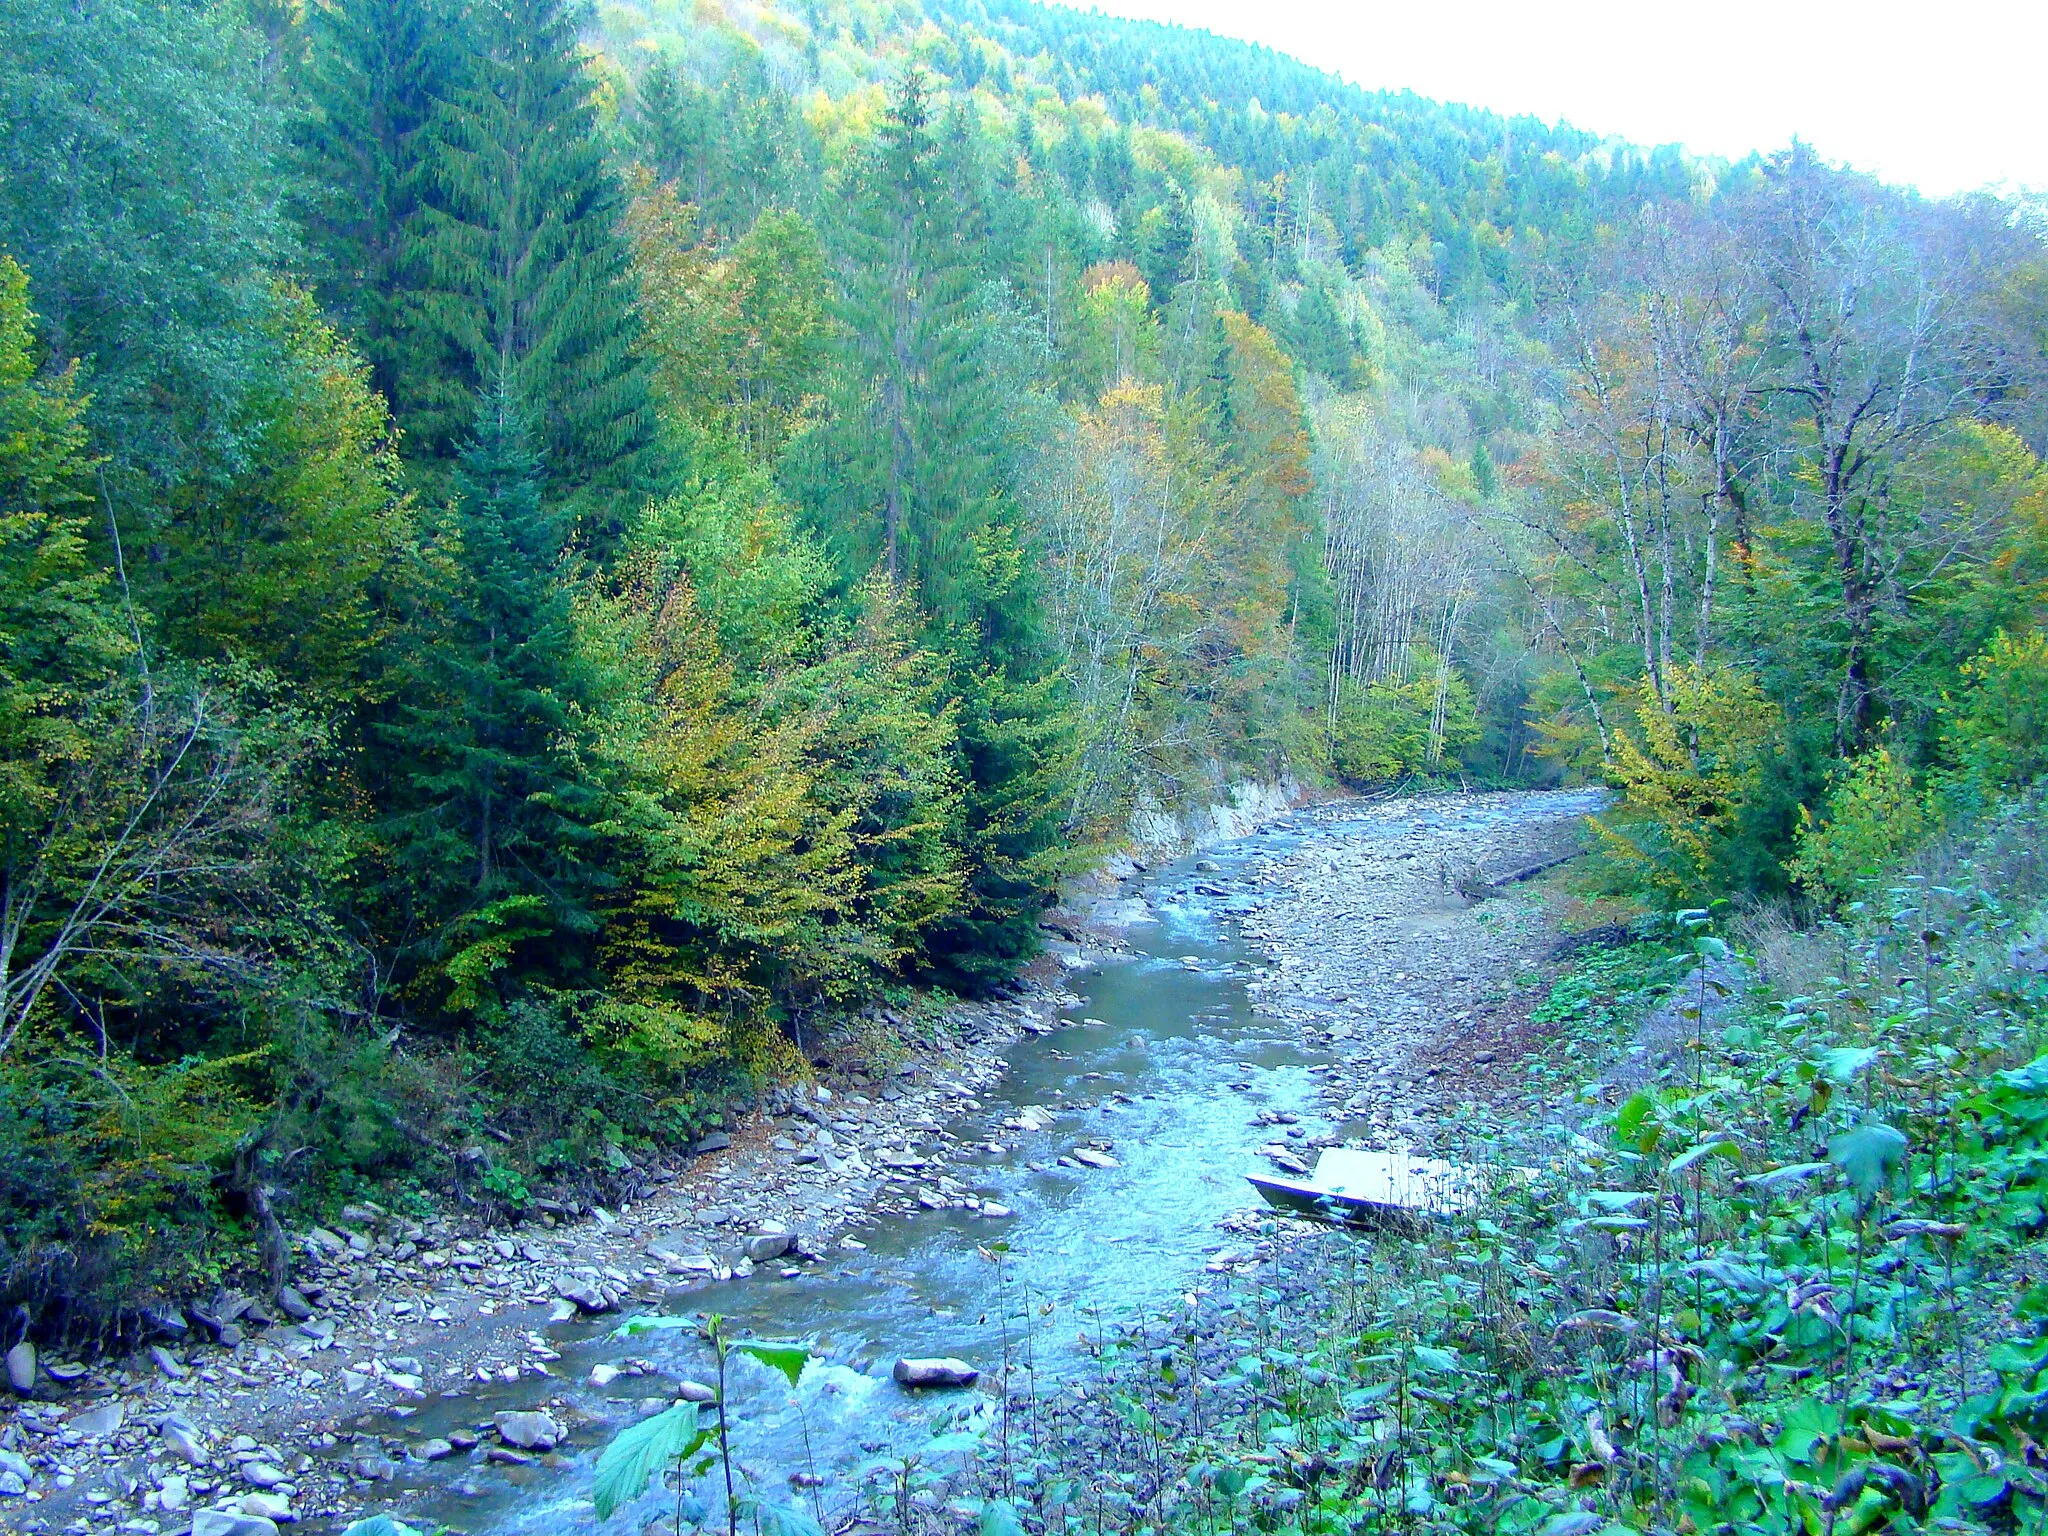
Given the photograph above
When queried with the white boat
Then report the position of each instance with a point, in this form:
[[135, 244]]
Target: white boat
[[1367, 1188]]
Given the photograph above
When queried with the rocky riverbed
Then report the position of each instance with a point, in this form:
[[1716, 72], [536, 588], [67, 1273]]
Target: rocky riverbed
[[252, 1404], [1391, 961]]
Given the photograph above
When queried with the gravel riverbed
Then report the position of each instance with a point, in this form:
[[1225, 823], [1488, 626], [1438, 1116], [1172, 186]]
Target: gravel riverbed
[[295, 1408]]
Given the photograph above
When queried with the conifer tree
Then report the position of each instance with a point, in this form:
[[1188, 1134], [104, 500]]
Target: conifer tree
[[530, 272], [916, 477], [490, 824], [376, 71]]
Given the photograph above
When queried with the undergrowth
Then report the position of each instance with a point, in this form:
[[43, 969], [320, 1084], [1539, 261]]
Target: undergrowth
[[1795, 1282]]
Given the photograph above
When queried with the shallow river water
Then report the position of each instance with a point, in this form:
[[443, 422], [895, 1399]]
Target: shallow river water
[[1172, 1068]]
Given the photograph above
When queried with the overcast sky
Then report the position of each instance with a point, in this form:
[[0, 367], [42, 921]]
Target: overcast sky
[[1944, 96]]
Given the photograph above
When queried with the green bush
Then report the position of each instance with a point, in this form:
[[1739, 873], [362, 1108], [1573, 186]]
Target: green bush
[[1387, 731]]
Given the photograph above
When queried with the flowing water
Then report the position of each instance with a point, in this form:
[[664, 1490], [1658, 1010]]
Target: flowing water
[[1172, 1068]]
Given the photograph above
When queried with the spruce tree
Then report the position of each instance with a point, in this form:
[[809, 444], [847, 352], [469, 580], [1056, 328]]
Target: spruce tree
[[488, 832], [529, 269], [911, 477], [915, 477], [375, 73]]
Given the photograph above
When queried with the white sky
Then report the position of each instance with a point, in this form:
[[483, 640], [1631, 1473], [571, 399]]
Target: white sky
[[1947, 97]]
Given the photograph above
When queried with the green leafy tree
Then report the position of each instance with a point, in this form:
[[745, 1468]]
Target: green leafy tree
[[133, 183], [296, 563]]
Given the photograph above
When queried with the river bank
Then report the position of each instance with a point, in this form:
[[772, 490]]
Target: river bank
[[1375, 965]]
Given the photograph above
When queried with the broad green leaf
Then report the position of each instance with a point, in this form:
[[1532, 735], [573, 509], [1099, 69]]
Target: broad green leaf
[[780, 1519], [999, 1518], [650, 1323], [1706, 1149], [789, 1359], [639, 1452], [1616, 1199], [1870, 1157], [1442, 1361], [1791, 1173], [1844, 1064], [1628, 1120], [380, 1525], [1735, 1276]]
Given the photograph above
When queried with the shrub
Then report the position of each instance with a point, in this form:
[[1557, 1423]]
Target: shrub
[[1873, 817]]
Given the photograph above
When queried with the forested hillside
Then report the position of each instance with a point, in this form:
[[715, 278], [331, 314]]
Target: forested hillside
[[549, 551]]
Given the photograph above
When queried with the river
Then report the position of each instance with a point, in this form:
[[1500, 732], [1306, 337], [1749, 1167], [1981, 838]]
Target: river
[[1169, 1071]]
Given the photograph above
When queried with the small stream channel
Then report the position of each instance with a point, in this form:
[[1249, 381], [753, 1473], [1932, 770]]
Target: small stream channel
[[1173, 1067]]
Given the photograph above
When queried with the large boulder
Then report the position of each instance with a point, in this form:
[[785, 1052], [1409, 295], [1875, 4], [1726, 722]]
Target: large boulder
[[946, 1372], [21, 1367], [181, 1437], [533, 1431], [103, 1420], [221, 1522]]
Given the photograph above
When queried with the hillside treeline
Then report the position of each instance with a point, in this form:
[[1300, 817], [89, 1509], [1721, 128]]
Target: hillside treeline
[[548, 556]]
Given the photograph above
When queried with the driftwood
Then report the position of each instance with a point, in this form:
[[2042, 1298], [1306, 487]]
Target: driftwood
[[1474, 884]]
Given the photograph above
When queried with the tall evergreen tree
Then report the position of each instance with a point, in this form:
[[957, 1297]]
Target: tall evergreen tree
[[911, 472], [529, 268], [489, 828], [376, 71]]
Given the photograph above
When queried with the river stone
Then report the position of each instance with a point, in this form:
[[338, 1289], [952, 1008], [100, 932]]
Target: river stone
[[261, 1474], [173, 1493], [168, 1363], [293, 1304], [1092, 1158], [717, 1141], [946, 1372], [603, 1375], [767, 1245], [12, 1484], [588, 1298], [695, 1392], [528, 1431], [168, 1321], [103, 1420], [433, 1450], [222, 1522], [993, 1208], [181, 1437], [21, 1367], [377, 1469], [267, 1506]]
